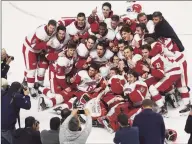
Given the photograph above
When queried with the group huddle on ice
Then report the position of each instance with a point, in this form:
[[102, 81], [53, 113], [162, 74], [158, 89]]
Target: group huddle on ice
[[108, 64]]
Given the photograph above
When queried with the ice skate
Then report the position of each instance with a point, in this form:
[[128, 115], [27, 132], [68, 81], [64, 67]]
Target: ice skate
[[186, 109], [170, 98], [177, 95], [103, 121], [108, 126], [163, 110], [33, 92], [58, 110], [95, 123], [42, 105], [36, 87]]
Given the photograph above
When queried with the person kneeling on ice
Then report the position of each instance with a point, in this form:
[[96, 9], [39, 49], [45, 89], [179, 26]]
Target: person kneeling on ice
[[60, 90], [87, 83]]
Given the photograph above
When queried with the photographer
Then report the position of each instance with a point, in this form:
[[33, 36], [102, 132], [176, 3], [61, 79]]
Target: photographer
[[12, 99], [70, 130], [51, 136], [5, 61], [188, 126], [28, 135]]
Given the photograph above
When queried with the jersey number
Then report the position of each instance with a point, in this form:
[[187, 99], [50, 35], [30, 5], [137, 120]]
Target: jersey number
[[90, 88]]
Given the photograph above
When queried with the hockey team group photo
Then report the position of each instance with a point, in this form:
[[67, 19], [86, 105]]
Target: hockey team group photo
[[104, 72]]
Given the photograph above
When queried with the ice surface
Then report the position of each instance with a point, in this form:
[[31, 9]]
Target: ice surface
[[16, 25]]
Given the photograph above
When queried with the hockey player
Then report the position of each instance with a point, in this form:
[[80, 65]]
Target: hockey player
[[113, 25], [134, 93], [59, 90], [147, 20], [101, 56], [88, 82], [55, 50], [32, 47], [166, 71], [128, 37], [115, 83], [79, 28], [138, 39], [171, 45], [130, 59], [83, 50], [101, 16], [60, 40], [182, 84], [103, 34], [121, 46]]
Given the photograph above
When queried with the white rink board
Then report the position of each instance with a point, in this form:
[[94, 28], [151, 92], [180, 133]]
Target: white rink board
[[16, 25]]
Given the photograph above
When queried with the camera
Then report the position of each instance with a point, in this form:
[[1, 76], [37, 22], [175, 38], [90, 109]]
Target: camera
[[37, 123], [81, 112], [12, 58]]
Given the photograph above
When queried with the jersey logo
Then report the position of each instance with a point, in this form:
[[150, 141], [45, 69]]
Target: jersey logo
[[142, 89]]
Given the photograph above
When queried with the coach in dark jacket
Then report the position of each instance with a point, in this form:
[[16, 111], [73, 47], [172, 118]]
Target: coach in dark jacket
[[151, 125], [28, 135], [126, 134], [164, 29], [11, 101], [188, 127]]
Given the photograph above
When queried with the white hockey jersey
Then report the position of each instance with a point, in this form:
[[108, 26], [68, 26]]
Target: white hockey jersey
[[72, 29], [87, 84], [59, 45], [101, 60], [39, 35], [82, 50]]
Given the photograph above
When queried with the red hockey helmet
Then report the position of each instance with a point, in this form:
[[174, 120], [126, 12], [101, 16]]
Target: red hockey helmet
[[137, 8], [171, 135]]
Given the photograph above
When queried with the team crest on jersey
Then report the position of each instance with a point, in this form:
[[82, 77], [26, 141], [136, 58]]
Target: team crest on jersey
[[142, 89]]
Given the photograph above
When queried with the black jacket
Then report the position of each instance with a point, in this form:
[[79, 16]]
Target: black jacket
[[151, 127], [4, 69], [127, 135], [164, 29], [10, 107], [188, 128], [26, 136]]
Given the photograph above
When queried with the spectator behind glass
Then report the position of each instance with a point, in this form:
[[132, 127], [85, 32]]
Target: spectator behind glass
[[51, 136], [70, 130], [28, 135], [188, 126], [12, 99], [126, 134], [151, 125], [5, 61]]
